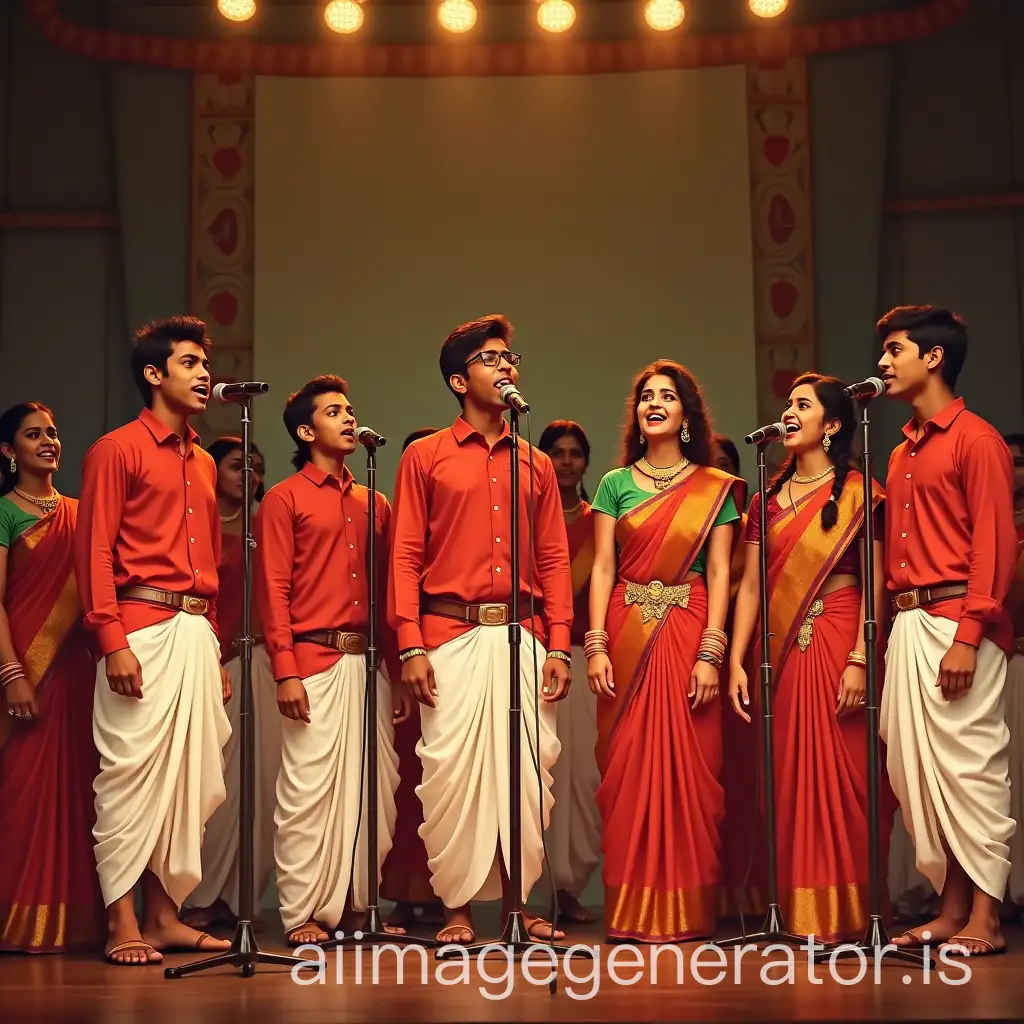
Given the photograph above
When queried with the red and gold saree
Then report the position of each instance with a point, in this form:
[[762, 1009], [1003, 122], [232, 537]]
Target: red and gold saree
[[580, 533], [820, 759], [49, 892], [660, 800]]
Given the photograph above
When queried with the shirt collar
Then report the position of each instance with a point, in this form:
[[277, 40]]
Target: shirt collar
[[942, 420], [463, 431], [163, 433], [317, 476]]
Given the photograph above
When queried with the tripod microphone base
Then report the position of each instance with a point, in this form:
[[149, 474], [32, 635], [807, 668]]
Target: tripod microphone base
[[245, 953], [374, 934], [773, 930], [876, 944], [515, 936]]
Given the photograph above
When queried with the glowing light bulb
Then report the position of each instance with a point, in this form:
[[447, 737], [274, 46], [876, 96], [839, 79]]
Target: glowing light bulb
[[556, 15], [767, 8], [664, 15], [457, 15], [237, 10], [343, 16]]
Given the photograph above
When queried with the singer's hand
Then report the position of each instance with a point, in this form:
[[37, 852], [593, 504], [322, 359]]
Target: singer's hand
[[851, 689], [556, 679], [956, 670], [124, 673], [703, 684], [418, 676], [402, 704], [599, 675], [738, 695], [225, 684], [292, 700]]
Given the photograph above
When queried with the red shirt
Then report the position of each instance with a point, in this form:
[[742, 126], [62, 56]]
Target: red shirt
[[950, 519], [311, 536], [450, 538], [147, 517]]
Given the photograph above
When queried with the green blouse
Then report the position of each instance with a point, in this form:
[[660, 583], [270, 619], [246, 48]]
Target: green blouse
[[14, 521], [618, 493]]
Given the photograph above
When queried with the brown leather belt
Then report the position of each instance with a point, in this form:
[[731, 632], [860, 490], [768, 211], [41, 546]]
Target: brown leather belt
[[179, 602], [921, 597], [479, 614], [347, 643]]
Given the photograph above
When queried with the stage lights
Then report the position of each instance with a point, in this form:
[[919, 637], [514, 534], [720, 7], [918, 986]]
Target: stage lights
[[556, 15], [457, 15], [237, 10], [767, 8], [664, 15], [343, 16]]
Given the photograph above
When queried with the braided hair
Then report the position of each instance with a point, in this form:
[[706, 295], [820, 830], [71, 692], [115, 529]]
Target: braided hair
[[837, 406], [558, 429]]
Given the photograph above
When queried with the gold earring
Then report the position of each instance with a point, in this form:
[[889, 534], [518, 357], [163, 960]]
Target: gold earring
[[827, 443], [14, 466], [684, 435], [643, 438]]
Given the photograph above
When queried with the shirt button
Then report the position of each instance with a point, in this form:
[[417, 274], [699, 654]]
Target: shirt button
[[349, 519], [494, 479], [497, 568], [912, 454], [903, 535], [908, 476], [495, 508], [903, 565], [355, 603], [188, 483], [197, 572], [354, 575], [497, 540], [190, 511], [191, 540], [351, 546], [907, 505]]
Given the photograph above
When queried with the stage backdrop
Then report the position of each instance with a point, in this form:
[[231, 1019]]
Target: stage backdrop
[[607, 216]]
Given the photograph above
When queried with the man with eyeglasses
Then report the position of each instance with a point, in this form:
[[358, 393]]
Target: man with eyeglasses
[[448, 601]]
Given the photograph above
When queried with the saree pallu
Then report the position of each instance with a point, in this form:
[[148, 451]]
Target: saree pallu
[[50, 898], [660, 799]]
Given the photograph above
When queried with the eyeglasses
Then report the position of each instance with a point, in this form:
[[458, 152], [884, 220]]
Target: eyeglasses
[[492, 357]]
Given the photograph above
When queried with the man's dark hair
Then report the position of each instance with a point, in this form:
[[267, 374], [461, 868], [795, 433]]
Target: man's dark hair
[[154, 343], [465, 340], [930, 327], [298, 410]]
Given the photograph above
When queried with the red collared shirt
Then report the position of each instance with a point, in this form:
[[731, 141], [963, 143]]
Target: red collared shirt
[[450, 538], [950, 518], [311, 536], [147, 517]]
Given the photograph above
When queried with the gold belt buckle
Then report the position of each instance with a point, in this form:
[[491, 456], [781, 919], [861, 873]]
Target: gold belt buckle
[[806, 632], [350, 643], [654, 598], [908, 600], [195, 605], [493, 614]]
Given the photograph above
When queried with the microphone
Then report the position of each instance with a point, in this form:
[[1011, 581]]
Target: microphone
[[370, 438], [870, 388], [239, 391], [771, 432], [512, 397]]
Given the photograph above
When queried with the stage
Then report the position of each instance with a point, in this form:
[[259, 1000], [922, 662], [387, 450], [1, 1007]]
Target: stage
[[81, 989]]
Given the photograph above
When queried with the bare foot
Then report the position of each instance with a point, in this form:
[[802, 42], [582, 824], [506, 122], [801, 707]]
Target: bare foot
[[540, 930], [570, 909], [930, 934], [174, 936], [308, 934], [459, 929]]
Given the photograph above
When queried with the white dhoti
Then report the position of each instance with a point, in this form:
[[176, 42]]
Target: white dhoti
[[465, 754], [1015, 723], [220, 844], [574, 838], [161, 764], [320, 809], [948, 760]]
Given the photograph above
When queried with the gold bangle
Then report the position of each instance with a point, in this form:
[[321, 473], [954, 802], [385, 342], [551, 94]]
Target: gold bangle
[[413, 652], [561, 656]]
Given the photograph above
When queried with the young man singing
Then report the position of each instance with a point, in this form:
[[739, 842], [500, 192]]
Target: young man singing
[[146, 555], [950, 552], [314, 598], [451, 579]]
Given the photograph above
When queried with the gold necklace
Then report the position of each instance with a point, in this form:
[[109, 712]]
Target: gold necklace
[[662, 477], [48, 505], [812, 479], [574, 511], [231, 518]]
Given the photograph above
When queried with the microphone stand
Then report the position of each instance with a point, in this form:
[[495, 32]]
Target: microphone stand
[[774, 928], [374, 932], [514, 935], [875, 941], [245, 951]]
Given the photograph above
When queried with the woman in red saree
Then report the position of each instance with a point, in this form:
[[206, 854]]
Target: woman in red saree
[[574, 836], [659, 595], [815, 518], [50, 898]]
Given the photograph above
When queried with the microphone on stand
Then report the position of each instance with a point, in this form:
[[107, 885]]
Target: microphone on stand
[[870, 388], [370, 438], [239, 391], [771, 432], [512, 397]]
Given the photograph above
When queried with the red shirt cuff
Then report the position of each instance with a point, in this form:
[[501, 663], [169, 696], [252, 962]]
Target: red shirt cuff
[[559, 640], [409, 635], [284, 665], [111, 638], [970, 631]]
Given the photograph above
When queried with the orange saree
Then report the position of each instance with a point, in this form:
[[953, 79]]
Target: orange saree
[[50, 898], [660, 800], [580, 533], [820, 758]]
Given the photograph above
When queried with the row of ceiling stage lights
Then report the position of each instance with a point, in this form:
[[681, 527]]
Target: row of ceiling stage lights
[[346, 16]]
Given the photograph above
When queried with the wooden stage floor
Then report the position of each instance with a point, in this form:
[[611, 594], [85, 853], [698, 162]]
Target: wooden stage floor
[[84, 990]]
